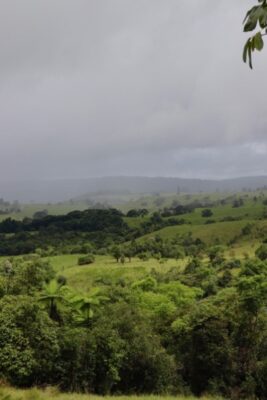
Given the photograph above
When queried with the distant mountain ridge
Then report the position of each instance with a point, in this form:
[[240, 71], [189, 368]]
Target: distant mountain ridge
[[65, 189]]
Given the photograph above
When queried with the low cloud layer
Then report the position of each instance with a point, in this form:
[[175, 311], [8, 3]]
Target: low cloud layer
[[149, 87]]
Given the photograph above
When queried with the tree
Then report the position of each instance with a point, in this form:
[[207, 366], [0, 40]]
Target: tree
[[40, 214], [261, 252], [250, 331], [8, 271], [116, 253], [202, 344], [129, 251], [85, 306], [52, 295], [206, 213], [143, 212], [238, 203], [255, 17], [215, 253], [28, 342]]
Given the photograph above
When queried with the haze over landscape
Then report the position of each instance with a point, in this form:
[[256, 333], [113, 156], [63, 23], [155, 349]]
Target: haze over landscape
[[41, 191], [147, 88]]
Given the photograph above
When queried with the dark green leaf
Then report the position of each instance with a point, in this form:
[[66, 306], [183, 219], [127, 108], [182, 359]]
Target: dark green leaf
[[258, 41]]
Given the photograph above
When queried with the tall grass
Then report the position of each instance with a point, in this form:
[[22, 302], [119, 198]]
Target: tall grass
[[8, 393]]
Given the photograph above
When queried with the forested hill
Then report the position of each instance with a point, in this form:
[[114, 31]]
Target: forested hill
[[60, 190], [82, 221], [77, 227]]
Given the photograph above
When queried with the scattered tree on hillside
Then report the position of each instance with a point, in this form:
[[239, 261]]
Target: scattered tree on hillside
[[238, 203], [116, 253], [206, 213]]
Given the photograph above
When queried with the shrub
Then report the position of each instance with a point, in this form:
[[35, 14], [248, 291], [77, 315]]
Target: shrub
[[261, 252], [144, 256], [61, 280], [88, 259], [206, 213]]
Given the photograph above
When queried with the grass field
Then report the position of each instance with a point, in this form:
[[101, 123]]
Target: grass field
[[63, 262], [106, 270], [247, 212], [209, 234], [53, 393]]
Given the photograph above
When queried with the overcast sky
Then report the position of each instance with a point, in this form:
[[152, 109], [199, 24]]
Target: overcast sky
[[129, 87]]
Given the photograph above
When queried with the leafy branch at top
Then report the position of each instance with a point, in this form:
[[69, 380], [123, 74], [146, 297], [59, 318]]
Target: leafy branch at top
[[255, 17]]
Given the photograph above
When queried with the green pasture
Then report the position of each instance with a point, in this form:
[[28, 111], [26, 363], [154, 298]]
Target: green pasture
[[246, 212], [63, 262], [221, 232], [105, 270]]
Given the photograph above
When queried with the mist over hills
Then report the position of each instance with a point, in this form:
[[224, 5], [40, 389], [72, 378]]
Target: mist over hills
[[66, 189]]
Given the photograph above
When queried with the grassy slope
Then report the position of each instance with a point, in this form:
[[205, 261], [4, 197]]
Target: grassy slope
[[210, 234], [63, 262], [248, 212], [151, 202], [106, 270]]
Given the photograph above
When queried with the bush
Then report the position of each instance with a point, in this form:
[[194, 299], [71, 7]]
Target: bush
[[88, 259], [144, 256], [61, 280], [261, 252], [206, 213]]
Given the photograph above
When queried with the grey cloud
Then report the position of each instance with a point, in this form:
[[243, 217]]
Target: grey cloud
[[102, 87]]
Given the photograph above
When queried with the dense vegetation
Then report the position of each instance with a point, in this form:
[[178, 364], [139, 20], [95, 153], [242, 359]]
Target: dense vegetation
[[106, 303], [97, 226]]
